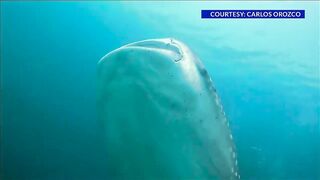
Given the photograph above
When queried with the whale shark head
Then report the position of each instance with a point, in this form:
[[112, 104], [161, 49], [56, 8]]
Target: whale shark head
[[161, 116]]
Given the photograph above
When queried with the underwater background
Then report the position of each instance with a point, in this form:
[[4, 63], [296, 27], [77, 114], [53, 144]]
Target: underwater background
[[266, 72]]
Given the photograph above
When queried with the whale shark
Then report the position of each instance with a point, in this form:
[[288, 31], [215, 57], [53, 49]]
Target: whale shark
[[160, 115]]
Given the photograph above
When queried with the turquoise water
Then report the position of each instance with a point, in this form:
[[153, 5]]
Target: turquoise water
[[266, 73]]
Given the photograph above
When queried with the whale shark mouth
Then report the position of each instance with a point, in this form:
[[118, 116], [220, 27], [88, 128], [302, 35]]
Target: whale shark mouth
[[161, 116]]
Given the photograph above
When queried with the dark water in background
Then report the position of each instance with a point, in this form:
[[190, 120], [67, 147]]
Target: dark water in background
[[266, 73]]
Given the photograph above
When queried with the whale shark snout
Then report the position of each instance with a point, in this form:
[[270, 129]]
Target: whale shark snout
[[161, 115]]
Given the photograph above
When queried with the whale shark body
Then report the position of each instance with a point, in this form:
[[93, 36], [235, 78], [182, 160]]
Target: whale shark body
[[160, 115]]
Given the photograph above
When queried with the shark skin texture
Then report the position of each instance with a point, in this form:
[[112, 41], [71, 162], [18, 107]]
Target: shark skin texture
[[160, 115]]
